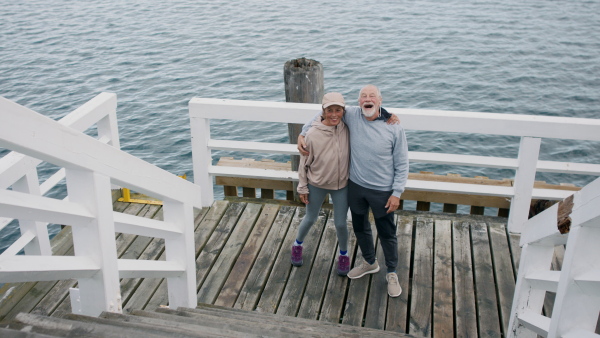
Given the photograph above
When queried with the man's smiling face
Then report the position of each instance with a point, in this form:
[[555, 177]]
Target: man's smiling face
[[369, 101]]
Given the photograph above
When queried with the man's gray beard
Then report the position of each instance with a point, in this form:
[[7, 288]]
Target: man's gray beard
[[369, 114]]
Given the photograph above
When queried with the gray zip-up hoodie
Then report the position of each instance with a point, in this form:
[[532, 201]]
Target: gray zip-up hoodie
[[326, 165]]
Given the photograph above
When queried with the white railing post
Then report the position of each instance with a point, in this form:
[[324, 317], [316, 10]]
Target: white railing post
[[181, 289], [201, 157], [40, 244], [529, 150], [96, 240], [107, 128]]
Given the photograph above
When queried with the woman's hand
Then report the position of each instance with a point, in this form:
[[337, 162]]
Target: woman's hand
[[304, 198], [393, 119]]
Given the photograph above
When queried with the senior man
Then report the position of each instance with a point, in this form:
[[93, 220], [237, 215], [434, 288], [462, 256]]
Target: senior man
[[378, 174]]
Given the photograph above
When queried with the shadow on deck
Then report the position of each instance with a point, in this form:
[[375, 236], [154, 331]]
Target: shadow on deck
[[457, 271]]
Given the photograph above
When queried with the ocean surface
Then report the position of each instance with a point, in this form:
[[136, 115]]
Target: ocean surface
[[519, 57]]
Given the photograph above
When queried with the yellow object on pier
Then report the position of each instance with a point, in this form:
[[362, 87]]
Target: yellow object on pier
[[126, 193]]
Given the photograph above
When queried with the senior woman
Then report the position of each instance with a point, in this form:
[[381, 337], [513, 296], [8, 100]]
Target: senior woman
[[325, 174]]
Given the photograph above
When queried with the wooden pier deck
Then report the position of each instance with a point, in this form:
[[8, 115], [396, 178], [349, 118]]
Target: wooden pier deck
[[457, 271]]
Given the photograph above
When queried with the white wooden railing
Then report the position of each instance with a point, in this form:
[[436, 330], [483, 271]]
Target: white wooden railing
[[577, 285], [531, 129], [91, 167]]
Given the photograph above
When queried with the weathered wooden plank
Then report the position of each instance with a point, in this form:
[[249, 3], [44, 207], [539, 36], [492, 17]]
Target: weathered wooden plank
[[298, 277], [420, 307], [257, 278], [398, 306], [275, 284], [465, 311], [217, 240], [488, 319], [224, 263], [375, 313], [443, 314], [505, 281], [168, 327], [356, 301], [333, 303], [254, 323], [71, 328], [325, 258], [245, 261]]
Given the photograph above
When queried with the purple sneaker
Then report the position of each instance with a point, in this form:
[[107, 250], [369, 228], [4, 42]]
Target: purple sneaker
[[297, 255], [343, 265]]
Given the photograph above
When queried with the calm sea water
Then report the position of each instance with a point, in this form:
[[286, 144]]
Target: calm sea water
[[533, 57]]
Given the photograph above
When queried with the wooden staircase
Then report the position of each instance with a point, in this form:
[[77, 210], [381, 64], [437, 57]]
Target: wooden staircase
[[203, 321]]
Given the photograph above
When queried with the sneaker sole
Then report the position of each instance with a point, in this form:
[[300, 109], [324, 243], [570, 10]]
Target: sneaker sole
[[394, 296], [342, 273], [297, 264], [365, 273]]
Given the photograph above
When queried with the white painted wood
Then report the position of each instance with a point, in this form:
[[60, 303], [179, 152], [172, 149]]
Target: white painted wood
[[411, 119], [543, 229], [96, 239], [133, 268], [259, 147], [37, 208], [569, 168], [45, 268], [75, 297], [52, 181], [201, 158], [589, 282], [526, 299], [40, 245], [142, 226], [577, 301], [13, 166], [463, 160], [536, 323], [529, 150], [66, 147], [181, 251], [574, 308], [544, 280], [420, 157], [19, 244], [580, 334]]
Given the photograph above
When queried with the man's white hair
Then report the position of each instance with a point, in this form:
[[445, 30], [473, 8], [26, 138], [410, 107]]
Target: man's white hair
[[370, 85]]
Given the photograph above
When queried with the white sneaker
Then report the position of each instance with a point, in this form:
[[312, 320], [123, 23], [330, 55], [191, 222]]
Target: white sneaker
[[394, 289]]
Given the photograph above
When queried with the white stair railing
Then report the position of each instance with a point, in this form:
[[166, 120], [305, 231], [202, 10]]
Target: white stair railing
[[574, 222], [91, 167], [20, 171]]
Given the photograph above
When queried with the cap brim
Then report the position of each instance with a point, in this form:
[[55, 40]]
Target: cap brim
[[341, 104]]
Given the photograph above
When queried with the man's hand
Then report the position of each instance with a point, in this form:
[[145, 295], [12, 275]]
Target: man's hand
[[392, 204], [303, 198], [302, 146], [393, 119]]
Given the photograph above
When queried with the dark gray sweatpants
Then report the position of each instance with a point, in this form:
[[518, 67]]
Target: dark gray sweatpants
[[359, 200]]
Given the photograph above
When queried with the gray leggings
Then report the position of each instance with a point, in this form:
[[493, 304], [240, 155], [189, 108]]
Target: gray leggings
[[340, 213]]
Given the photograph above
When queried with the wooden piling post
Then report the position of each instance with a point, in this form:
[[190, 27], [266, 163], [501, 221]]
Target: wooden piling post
[[303, 80]]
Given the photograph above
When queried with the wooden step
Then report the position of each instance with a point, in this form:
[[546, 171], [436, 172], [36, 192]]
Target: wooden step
[[204, 321]]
